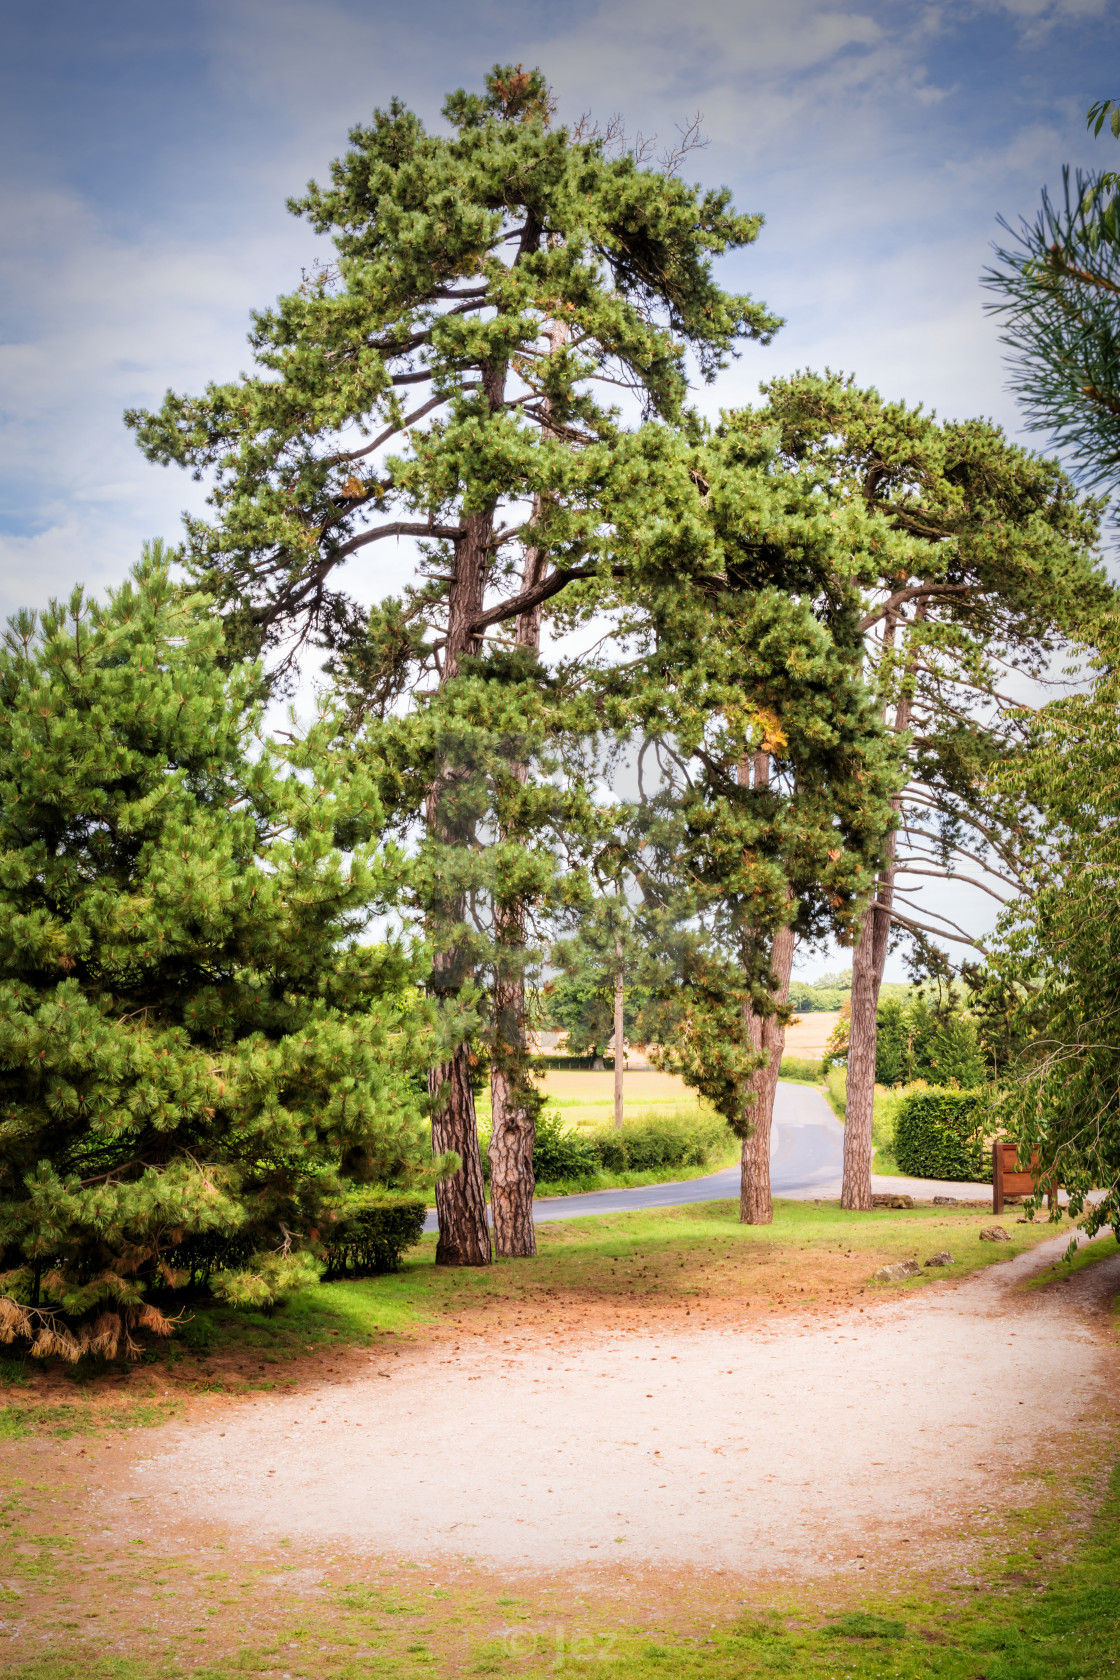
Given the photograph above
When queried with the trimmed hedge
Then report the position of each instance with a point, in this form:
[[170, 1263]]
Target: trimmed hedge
[[371, 1236], [943, 1134]]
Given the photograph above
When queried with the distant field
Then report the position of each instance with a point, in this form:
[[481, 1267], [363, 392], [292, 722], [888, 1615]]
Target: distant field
[[586, 1100], [809, 1034]]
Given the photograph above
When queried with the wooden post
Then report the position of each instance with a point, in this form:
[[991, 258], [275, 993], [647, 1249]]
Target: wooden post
[[997, 1177]]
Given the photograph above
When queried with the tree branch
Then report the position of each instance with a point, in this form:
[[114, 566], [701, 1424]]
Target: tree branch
[[915, 592]]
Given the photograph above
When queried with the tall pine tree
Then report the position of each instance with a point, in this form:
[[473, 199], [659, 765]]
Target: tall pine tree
[[451, 377]]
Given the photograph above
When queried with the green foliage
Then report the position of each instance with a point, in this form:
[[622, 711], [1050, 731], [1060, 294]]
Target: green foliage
[[1055, 973], [194, 1046], [560, 1153], [928, 1039], [371, 1234], [943, 1134], [451, 253], [1057, 284], [802, 1069], [653, 1144], [663, 1141]]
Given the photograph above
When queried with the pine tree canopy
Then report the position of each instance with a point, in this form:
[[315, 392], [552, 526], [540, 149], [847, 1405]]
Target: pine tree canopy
[[1057, 286], [194, 1044], [440, 378]]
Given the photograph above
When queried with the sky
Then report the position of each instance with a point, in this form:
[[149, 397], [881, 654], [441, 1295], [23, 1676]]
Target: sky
[[148, 151]]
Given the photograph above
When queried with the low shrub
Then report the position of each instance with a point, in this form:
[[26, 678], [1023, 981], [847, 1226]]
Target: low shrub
[[660, 1141], [836, 1088], [803, 1070], [371, 1235], [651, 1144], [942, 1134], [560, 1153]]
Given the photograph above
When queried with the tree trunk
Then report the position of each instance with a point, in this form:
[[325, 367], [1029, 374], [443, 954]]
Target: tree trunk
[[619, 1057], [464, 1237], [756, 1206], [869, 959], [464, 1233], [513, 1102]]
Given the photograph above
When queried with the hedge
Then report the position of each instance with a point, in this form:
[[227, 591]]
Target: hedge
[[371, 1236], [943, 1134], [640, 1146]]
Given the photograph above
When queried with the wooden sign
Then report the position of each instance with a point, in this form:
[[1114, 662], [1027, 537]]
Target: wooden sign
[[1009, 1180]]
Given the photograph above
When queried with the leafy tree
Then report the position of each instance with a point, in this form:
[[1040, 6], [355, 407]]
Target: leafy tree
[[928, 1039], [982, 563], [1057, 961], [439, 380], [1058, 290], [194, 1047]]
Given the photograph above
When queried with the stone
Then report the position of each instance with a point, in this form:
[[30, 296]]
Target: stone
[[945, 1201], [892, 1201], [994, 1233], [896, 1272], [942, 1259]]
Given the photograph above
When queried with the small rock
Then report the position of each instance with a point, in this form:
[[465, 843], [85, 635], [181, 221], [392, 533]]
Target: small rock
[[892, 1201], [945, 1201], [942, 1259], [994, 1233], [900, 1269]]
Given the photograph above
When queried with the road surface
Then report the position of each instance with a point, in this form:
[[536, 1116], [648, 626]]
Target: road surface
[[806, 1160]]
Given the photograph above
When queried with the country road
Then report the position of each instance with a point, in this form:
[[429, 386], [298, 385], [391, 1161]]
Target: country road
[[806, 1160]]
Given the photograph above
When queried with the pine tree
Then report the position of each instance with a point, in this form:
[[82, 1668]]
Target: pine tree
[[1058, 286], [194, 1045], [985, 563], [505, 273], [770, 776]]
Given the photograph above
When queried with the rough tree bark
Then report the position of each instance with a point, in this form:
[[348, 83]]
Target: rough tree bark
[[756, 1206], [619, 1056], [464, 1233], [512, 1100], [764, 1033], [869, 959]]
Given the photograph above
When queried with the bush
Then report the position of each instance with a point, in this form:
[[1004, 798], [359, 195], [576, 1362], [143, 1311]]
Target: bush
[[371, 1235], [197, 1053], [801, 1069], [559, 1153], [942, 1134], [649, 1145]]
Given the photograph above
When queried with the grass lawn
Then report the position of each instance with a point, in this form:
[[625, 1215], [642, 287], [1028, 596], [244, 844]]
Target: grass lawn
[[687, 1265]]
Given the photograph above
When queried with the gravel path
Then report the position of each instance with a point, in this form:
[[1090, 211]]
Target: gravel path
[[792, 1448]]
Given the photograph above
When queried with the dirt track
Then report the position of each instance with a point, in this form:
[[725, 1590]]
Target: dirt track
[[792, 1448]]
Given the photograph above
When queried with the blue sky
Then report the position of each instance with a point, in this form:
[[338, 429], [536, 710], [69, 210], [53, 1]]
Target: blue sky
[[148, 151]]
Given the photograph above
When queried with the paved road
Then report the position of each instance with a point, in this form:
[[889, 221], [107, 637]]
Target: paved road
[[806, 1159]]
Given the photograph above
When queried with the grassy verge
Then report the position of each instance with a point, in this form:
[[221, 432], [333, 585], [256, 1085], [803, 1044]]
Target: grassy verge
[[681, 1264], [632, 1180]]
